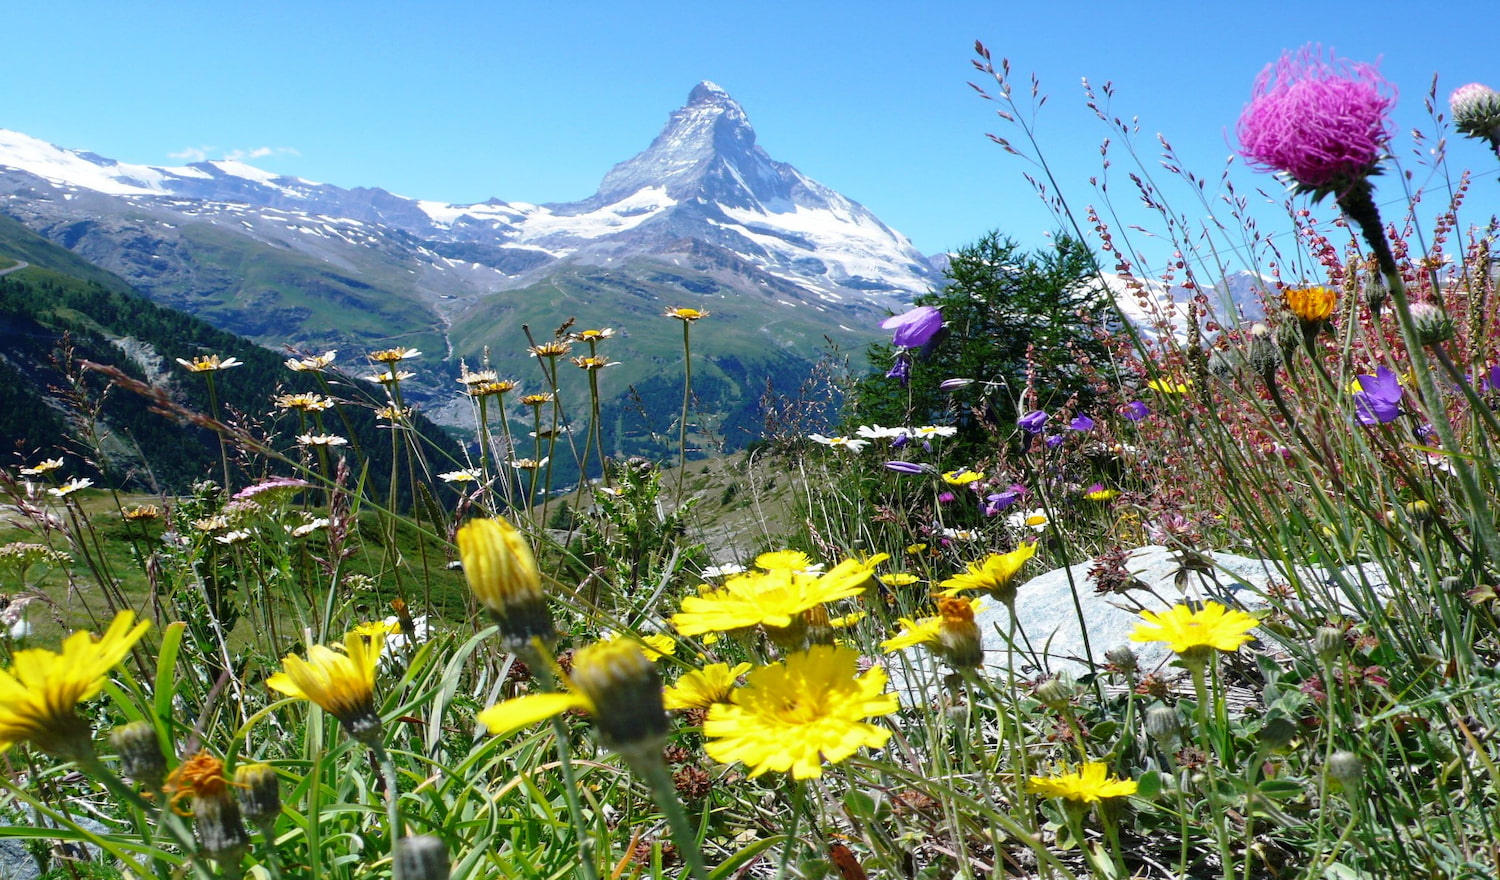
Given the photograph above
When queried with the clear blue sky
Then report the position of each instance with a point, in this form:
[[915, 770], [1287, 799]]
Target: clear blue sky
[[531, 101]]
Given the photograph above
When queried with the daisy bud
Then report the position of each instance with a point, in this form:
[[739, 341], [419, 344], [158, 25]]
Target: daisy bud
[[504, 578], [259, 791], [625, 690], [141, 757], [421, 857]]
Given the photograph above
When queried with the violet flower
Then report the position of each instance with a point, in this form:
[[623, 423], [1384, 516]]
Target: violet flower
[[910, 467], [1490, 381], [1378, 400], [1081, 423], [901, 369], [915, 328], [1325, 124], [1135, 410], [1053, 441], [1033, 421]]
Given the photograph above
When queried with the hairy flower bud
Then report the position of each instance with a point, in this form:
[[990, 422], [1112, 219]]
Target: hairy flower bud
[[1265, 356], [421, 857], [141, 757], [625, 690], [1432, 324], [1346, 769], [504, 578], [259, 791], [1328, 643], [1163, 725], [1476, 111]]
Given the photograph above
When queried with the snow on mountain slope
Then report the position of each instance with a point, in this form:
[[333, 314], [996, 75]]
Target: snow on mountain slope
[[703, 177]]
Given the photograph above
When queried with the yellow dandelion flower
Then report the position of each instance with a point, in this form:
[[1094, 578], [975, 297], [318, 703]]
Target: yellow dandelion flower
[[898, 579], [687, 316], [1090, 784], [1168, 386], [847, 620], [143, 512], [771, 598], [791, 560], [343, 684], [701, 688], [1311, 305], [805, 710], [1193, 635], [952, 634], [996, 575], [39, 691], [962, 477]]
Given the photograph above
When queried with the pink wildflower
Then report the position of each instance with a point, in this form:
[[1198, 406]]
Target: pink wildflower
[[1323, 123]]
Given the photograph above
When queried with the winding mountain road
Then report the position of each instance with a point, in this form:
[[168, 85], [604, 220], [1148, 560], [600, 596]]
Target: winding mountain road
[[20, 264]]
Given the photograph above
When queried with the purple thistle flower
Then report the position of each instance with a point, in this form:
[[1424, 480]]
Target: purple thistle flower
[[947, 498], [1033, 421], [1081, 423], [1379, 397], [1135, 410], [1324, 123], [915, 328]]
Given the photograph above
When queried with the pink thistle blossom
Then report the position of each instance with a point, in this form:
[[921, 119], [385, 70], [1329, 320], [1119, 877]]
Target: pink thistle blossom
[[1324, 123]]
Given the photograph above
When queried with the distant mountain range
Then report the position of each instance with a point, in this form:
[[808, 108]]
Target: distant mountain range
[[703, 217]]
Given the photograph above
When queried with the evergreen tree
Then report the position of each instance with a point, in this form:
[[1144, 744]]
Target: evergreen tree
[[1005, 311]]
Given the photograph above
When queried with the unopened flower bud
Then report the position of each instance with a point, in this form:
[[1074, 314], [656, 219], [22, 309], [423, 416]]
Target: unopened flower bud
[[1163, 725], [1328, 643], [1476, 111], [1122, 658], [1346, 769], [1419, 511], [625, 690], [259, 791], [504, 578], [1265, 356], [1432, 324], [816, 629], [959, 641], [221, 831], [1056, 693], [141, 757], [421, 857]]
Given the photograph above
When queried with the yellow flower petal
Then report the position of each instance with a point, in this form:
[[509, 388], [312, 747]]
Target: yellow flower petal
[[512, 715]]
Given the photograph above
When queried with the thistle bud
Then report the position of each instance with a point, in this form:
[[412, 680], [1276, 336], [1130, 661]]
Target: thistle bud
[[1346, 769], [1265, 356], [1432, 324], [141, 757], [421, 857], [504, 578], [259, 791], [1476, 111]]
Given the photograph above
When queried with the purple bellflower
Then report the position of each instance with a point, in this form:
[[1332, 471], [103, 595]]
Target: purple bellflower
[[1081, 423], [915, 328], [1033, 421], [1379, 397], [1135, 410]]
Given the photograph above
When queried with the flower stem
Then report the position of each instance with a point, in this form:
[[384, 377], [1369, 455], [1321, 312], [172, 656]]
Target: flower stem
[[653, 769]]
